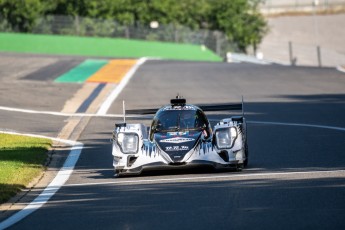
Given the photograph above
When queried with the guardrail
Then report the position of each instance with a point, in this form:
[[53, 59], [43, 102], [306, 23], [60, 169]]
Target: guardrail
[[276, 7], [289, 53]]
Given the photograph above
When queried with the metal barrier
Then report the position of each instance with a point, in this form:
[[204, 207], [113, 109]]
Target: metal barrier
[[273, 7], [276, 7], [289, 53]]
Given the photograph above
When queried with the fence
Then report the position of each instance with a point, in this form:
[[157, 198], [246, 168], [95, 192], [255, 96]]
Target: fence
[[281, 52], [289, 53], [82, 26], [273, 7]]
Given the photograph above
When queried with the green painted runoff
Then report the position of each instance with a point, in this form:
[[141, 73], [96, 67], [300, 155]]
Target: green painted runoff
[[103, 47], [82, 72]]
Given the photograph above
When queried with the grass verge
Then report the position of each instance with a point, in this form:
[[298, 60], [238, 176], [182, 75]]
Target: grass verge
[[103, 47], [21, 160]]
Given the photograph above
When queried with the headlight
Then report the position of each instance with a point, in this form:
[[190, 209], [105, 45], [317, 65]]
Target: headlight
[[128, 142], [226, 137]]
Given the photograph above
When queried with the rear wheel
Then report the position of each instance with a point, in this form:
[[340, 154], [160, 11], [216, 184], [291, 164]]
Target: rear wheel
[[245, 163], [239, 167]]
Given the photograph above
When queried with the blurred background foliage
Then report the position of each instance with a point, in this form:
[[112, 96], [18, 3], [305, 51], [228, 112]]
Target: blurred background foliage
[[239, 20]]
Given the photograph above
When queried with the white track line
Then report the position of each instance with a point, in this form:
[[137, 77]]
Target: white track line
[[11, 109], [113, 95], [59, 180], [235, 176], [69, 164], [341, 68], [298, 124], [213, 178]]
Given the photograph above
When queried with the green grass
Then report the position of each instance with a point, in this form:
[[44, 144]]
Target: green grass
[[103, 47], [21, 160]]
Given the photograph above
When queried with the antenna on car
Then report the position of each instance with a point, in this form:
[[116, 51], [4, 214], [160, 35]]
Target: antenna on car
[[124, 111], [242, 106], [178, 101]]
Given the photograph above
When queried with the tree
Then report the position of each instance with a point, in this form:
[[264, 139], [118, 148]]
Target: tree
[[240, 20], [190, 13], [21, 14], [67, 7]]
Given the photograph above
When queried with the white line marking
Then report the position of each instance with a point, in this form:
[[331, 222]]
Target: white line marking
[[232, 176], [69, 164], [11, 109], [148, 116], [107, 103], [59, 180], [242, 175], [297, 124], [69, 142], [237, 57], [341, 68]]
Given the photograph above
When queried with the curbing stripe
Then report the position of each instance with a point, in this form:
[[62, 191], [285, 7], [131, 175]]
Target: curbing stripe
[[113, 72], [59, 180], [107, 103], [85, 105], [82, 72]]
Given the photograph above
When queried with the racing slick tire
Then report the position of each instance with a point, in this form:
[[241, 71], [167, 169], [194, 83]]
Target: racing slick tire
[[117, 173], [246, 152]]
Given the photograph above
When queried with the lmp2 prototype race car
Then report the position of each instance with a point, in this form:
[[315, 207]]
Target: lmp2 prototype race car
[[180, 136]]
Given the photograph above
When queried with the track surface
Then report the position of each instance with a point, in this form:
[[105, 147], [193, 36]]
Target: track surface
[[267, 195]]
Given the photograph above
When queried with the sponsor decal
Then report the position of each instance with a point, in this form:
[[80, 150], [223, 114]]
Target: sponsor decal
[[177, 140], [205, 133], [177, 133], [176, 148], [186, 107]]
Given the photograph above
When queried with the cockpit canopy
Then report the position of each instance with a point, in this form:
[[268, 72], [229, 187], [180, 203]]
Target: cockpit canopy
[[184, 118]]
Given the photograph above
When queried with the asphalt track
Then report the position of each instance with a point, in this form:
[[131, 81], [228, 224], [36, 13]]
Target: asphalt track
[[295, 178]]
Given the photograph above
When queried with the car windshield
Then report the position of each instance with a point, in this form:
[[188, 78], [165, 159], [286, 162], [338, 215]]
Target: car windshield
[[173, 120]]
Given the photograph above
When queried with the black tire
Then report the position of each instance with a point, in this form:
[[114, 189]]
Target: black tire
[[239, 167], [246, 153], [117, 173]]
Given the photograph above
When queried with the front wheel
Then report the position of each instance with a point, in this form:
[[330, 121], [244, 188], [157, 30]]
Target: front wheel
[[117, 173]]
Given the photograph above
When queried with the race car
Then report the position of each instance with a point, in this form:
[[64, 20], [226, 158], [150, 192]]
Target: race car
[[180, 136]]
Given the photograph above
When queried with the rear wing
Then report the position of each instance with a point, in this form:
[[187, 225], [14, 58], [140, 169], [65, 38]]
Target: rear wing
[[142, 111], [205, 107], [220, 107]]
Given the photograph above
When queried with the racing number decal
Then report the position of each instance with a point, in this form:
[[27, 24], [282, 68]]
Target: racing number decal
[[176, 148]]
